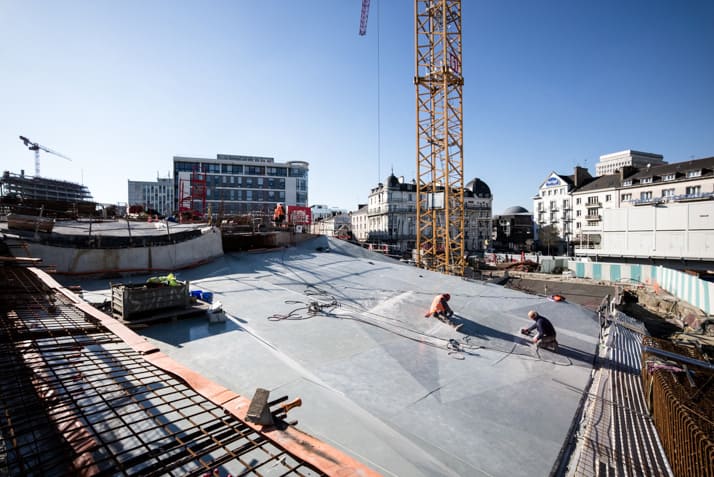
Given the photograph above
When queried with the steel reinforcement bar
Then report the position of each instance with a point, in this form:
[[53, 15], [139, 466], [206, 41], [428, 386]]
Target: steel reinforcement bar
[[680, 397]]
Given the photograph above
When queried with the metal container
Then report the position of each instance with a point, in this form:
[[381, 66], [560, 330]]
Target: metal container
[[141, 301]]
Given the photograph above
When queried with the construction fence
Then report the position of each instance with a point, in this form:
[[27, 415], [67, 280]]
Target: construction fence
[[689, 288]]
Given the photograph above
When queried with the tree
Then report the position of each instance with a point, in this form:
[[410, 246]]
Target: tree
[[548, 235]]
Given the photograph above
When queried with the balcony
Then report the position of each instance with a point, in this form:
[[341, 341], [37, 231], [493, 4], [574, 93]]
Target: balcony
[[593, 218]]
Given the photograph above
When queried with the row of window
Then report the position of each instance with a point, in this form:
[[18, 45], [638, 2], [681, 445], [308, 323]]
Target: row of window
[[246, 194], [209, 168], [665, 177], [245, 182], [647, 195]]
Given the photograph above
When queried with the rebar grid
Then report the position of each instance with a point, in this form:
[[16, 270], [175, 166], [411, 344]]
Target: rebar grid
[[77, 400], [618, 437], [681, 401]]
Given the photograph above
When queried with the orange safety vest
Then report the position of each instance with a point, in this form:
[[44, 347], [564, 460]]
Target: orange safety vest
[[436, 305]]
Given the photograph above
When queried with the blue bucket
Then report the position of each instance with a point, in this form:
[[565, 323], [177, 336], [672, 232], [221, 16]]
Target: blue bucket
[[207, 297], [196, 294]]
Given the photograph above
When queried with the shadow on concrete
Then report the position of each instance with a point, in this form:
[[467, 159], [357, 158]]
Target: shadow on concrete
[[472, 328], [575, 354], [486, 333]]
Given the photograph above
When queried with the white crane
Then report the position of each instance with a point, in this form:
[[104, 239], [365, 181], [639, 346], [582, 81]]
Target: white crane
[[33, 146]]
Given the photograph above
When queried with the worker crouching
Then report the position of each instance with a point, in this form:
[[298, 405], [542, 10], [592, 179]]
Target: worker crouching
[[545, 338]]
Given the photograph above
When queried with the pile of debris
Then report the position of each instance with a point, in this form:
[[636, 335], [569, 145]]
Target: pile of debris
[[524, 266]]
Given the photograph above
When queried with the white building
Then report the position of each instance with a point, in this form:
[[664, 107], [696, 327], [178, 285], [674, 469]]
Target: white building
[[589, 201], [391, 214], [360, 223], [656, 212], [333, 226], [552, 206], [611, 163], [320, 211], [155, 195]]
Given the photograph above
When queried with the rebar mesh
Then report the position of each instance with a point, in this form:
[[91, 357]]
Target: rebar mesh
[[681, 401], [75, 399]]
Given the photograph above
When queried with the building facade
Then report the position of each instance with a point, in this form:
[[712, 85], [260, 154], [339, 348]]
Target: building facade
[[662, 212], [360, 223], [589, 201], [39, 188], [611, 163], [153, 195], [391, 215], [333, 226], [512, 230], [552, 207], [232, 184]]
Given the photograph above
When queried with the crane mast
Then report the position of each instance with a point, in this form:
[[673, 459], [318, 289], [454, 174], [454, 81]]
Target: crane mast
[[439, 130]]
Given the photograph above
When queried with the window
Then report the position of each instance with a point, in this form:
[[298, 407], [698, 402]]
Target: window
[[577, 201], [626, 197], [577, 213], [628, 182], [668, 177], [693, 190], [646, 180], [646, 195], [696, 173], [667, 192], [608, 198]]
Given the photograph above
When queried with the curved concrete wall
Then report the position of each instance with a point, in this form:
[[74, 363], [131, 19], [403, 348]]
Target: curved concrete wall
[[137, 259]]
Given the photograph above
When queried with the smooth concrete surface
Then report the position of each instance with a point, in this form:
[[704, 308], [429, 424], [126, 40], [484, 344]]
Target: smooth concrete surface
[[378, 379], [72, 260]]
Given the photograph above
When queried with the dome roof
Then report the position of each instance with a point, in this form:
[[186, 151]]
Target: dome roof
[[392, 181], [479, 188], [515, 210]]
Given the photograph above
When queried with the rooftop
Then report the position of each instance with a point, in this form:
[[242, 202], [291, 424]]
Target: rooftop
[[404, 394]]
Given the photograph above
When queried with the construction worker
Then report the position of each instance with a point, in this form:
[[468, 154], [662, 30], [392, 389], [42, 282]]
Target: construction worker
[[546, 333], [440, 307], [279, 215]]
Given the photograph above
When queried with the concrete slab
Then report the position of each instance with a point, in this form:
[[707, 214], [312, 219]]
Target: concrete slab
[[405, 394]]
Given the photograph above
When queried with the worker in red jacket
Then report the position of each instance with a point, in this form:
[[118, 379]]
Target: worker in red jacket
[[279, 215], [440, 307]]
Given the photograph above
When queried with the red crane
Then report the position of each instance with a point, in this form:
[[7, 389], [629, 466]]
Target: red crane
[[363, 18]]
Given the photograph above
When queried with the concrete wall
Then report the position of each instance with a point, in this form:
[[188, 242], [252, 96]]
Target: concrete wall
[[135, 259], [689, 288], [680, 231]]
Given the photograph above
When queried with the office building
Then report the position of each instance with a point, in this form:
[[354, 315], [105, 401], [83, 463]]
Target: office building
[[232, 184], [155, 195]]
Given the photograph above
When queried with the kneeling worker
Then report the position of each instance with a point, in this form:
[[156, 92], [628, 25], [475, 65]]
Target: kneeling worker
[[546, 332], [440, 309]]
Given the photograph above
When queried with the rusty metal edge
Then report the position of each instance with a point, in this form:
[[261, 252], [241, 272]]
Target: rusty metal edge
[[320, 455]]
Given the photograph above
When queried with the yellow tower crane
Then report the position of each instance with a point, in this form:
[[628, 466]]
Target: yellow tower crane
[[439, 82], [439, 124]]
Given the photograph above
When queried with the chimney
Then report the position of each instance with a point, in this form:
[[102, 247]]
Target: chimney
[[626, 171], [581, 173]]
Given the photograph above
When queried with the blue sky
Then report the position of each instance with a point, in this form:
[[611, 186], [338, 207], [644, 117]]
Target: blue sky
[[122, 87]]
